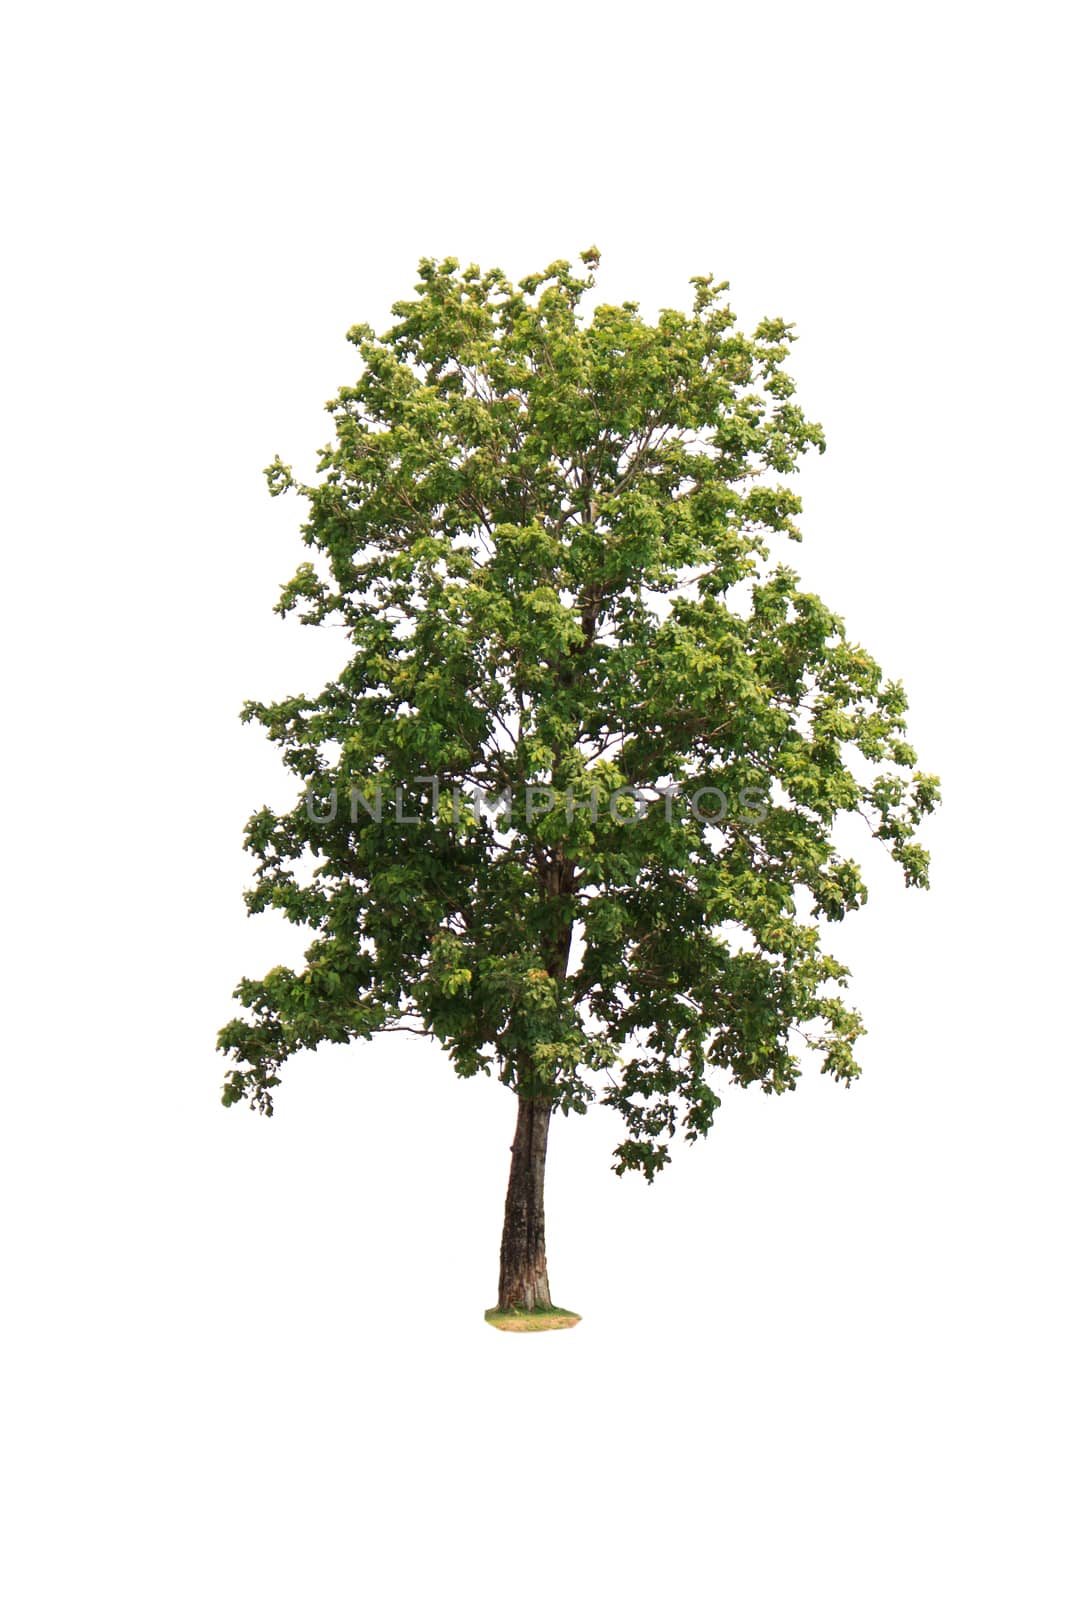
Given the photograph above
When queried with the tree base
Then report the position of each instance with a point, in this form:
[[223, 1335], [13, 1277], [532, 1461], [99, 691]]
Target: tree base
[[542, 1320]]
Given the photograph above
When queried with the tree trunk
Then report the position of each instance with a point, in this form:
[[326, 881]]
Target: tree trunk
[[523, 1259]]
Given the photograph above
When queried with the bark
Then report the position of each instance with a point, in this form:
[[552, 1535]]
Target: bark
[[523, 1258]]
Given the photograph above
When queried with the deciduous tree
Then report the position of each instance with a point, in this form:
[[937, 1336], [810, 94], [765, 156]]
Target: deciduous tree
[[569, 808]]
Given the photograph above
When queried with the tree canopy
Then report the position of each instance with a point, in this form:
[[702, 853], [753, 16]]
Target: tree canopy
[[554, 541]]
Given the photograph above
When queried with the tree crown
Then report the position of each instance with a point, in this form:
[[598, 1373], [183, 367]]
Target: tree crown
[[548, 538]]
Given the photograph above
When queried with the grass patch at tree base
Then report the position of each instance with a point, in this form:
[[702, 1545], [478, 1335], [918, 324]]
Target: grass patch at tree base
[[542, 1320]]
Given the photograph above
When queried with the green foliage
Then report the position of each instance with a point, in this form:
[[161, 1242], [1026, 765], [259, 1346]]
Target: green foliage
[[548, 538]]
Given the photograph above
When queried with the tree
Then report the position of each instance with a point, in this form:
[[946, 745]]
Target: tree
[[569, 807]]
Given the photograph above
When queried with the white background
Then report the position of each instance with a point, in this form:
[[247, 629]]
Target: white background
[[823, 1354]]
